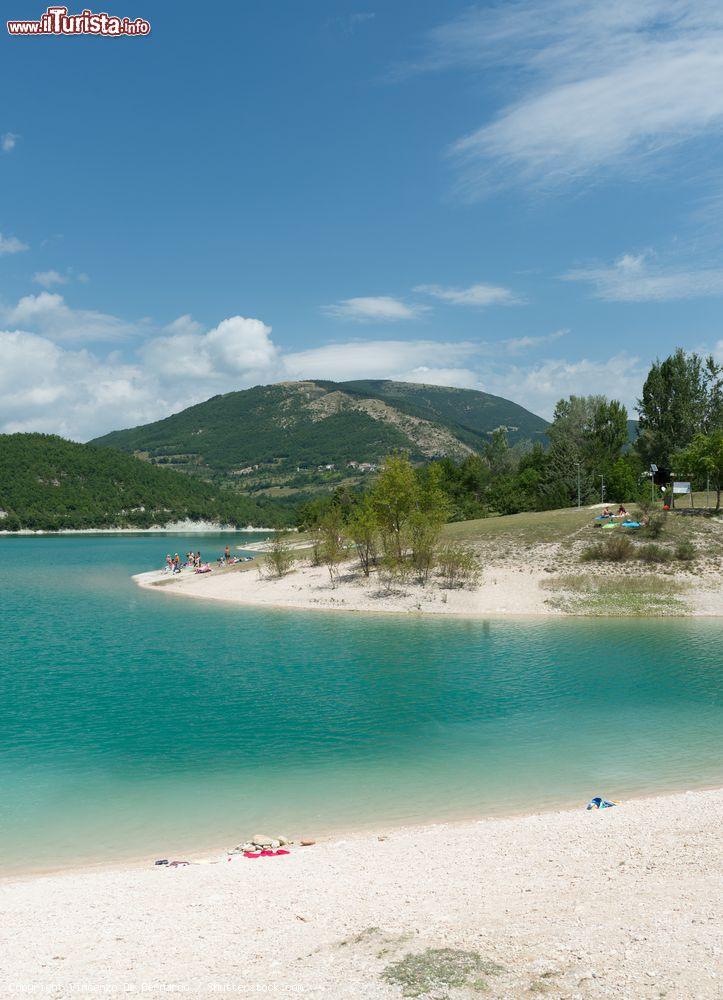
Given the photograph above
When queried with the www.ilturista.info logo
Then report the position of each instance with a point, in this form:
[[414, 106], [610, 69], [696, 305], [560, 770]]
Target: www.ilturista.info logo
[[57, 21]]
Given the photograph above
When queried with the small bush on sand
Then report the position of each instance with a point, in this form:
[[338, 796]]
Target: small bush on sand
[[279, 559], [616, 548], [439, 969], [655, 526], [458, 566], [653, 553], [685, 551]]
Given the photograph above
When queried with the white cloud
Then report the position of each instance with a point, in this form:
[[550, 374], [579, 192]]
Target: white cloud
[[638, 278], [45, 387], [516, 345], [596, 86], [540, 385], [475, 295], [48, 314], [11, 244], [236, 347], [8, 142], [373, 308], [372, 358], [184, 324], [60, 387], [49, 278]]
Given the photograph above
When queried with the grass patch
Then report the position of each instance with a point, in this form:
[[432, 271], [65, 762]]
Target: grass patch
[[623, 596], [439, 968], [528, 527], [652, 553], [614, 548]]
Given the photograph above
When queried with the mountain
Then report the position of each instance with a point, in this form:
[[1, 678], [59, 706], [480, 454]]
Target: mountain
[[49, 483], [270, 435]]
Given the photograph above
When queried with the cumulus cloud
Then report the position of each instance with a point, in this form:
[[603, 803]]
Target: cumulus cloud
[[594, 86], [367, 309], [49, 314], [638, 278], [540, 385], [46, 387], [53, 387], [237, 346], [49, 278], [8, 142], [475, 295], [11, 244]]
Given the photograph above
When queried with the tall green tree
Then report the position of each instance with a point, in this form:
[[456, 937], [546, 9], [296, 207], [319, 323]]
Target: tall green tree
[[681, 398], [394, 497], [703, 459]]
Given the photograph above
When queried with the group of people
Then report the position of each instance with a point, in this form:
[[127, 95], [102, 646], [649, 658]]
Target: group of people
[[621, 512], [192, 561]]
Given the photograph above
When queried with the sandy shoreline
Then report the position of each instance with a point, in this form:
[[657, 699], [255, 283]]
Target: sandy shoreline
[[507, 589], [624, 902]]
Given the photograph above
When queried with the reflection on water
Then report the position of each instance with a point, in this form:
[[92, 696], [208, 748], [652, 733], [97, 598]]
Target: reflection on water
[[135, 722]]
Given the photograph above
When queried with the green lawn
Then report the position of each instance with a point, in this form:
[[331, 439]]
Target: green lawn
[[528, 527]]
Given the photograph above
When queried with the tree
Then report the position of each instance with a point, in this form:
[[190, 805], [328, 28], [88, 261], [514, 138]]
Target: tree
[[621, 481], [332, 549], [607, 433], [681, 398], [703, 458], [498, 453], [279, 558], [394, 497], [363, 529]]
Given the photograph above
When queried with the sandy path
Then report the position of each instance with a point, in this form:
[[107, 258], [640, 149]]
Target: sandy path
[[623, 903]]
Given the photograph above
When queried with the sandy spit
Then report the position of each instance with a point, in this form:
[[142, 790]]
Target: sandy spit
[[514, 587], [506, 590], [625, 902]]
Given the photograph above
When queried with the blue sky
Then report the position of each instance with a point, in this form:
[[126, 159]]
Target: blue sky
[[524, 198]]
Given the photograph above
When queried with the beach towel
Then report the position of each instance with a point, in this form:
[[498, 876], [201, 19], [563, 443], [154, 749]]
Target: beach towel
[[265, 854], [598, 803], [632, 524]]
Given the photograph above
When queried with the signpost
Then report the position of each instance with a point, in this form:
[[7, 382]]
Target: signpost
[[680, 489]]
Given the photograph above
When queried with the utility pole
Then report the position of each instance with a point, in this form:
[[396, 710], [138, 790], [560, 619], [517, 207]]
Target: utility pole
[[602, 489]]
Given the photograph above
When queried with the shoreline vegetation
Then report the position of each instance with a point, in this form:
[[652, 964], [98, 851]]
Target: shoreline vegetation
[[642, 879], [562, 562]]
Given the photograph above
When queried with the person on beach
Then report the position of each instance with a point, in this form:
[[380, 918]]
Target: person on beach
[[622, 512], [169, 563], [176, 563], [227, 553]]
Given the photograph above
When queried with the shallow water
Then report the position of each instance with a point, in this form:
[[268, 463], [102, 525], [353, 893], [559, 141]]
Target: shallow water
[[134, 723]]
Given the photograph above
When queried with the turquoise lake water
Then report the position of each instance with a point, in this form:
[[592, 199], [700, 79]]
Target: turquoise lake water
[[136, 724]]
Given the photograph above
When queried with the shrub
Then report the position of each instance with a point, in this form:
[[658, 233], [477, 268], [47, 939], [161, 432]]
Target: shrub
[[656, 524], [653, 553], [458, 565], [685, 551], [279, 559], [616, 548]]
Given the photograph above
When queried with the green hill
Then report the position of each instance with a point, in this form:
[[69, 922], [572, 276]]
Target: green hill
[[269, 436], [49, 483]]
